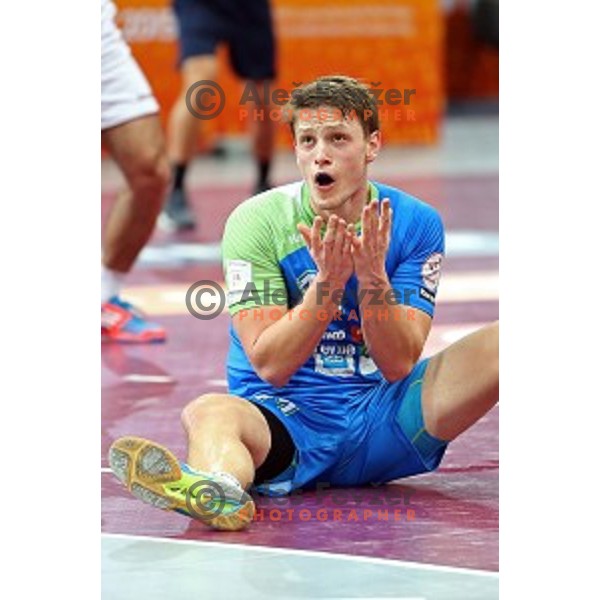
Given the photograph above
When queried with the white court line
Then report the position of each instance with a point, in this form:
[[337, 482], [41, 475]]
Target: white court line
[[454, 334], [181, 252], [459, 243], [470, 286], [139, 378], [472, 242], [311, 553]]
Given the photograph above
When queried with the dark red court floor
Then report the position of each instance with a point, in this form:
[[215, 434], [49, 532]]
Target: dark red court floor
[[144, 388]]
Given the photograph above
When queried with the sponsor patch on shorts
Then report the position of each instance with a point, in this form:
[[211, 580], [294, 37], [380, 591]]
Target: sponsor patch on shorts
[[427, 295]]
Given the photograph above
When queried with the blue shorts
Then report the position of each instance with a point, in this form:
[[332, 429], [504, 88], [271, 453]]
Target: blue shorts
[[382, 438], [246, 27]]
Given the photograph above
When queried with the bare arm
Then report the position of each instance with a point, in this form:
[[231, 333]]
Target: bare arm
[[278, 342], [394, 334]]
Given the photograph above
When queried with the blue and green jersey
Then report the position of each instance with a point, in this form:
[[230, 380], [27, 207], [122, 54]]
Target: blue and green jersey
[[267, 263]]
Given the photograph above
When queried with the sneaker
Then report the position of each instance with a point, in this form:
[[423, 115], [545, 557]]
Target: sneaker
[[176, 214], [153, 474], [121, 322]]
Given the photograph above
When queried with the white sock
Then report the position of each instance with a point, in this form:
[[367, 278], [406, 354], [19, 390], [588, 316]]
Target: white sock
[[227, 477], [111, 282]]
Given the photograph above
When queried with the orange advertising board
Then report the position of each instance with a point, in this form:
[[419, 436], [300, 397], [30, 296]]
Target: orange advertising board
[[394, 46]]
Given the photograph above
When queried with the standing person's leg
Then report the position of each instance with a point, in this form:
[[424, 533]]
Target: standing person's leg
[[132, 133], [253, 58], [200, 31], [138, 147], [262, 133], [183, 132], [184, 128]]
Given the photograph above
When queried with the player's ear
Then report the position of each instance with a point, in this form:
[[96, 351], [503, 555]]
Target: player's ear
[[373, 146]]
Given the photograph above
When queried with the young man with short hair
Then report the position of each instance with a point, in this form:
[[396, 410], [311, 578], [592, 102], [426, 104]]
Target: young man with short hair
[[331, 288]]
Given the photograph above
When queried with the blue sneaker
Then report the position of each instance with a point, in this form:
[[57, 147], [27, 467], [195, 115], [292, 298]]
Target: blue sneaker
[[155, 476], [121, 322]]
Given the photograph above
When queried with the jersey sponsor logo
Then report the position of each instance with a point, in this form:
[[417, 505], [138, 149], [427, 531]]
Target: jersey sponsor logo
[[356, 334], [431, 271], [287, 407], [262, 397], [338, 335], [427, 295], [239, 274], [295, 239], [366, 365], [334, 366], [337, 349]]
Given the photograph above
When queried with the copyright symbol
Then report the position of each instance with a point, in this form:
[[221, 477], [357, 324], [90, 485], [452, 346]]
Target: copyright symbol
[[205, 99], [205, 499], [205, 300]]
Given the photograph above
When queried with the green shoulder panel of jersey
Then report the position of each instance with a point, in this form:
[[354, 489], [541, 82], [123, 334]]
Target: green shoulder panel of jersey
[[258, 235]]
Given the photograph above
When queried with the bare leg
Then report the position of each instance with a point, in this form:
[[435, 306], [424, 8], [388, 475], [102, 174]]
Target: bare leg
[[262, 130], [138, 148], [184, 128], [262, 133], [183, 132], [228, 434], [461, 384]]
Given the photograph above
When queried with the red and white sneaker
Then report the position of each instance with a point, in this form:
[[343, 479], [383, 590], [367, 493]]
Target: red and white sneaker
[[121, 322]]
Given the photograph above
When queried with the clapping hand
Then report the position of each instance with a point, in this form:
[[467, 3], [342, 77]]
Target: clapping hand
[[332, 253], [369, 251]]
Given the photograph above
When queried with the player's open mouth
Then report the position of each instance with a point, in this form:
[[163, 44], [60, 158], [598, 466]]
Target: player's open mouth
[[324, 180]]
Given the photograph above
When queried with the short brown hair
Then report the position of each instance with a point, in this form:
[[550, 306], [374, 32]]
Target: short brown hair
[[346, 94]]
